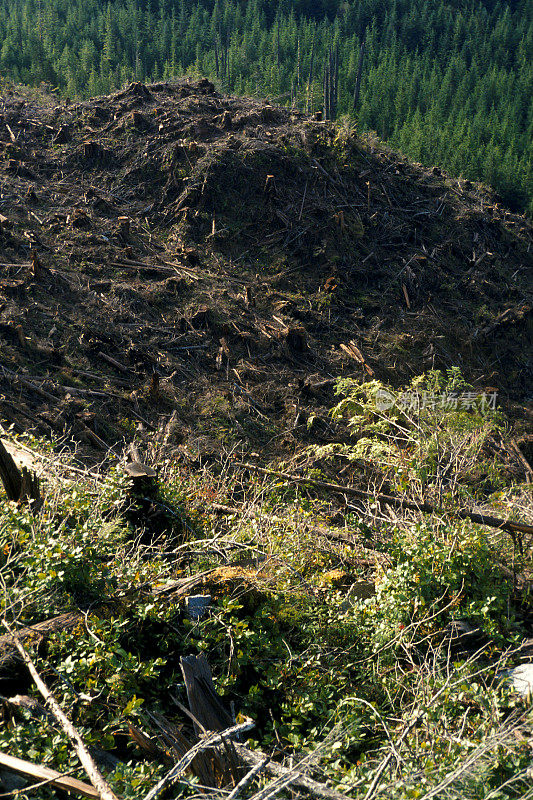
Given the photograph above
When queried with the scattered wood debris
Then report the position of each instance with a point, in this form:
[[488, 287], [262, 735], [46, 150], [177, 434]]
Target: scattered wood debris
[[131, 268], [353, 351]]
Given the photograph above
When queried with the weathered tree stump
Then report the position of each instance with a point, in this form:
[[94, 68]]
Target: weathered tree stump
[[208, 710], [21, 486]]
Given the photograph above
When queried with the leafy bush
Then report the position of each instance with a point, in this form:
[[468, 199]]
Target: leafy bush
[[429, 437]]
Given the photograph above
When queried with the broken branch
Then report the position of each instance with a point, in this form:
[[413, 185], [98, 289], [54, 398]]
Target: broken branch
[[104, 791], [399, 502], [248, 778], [47, 775]]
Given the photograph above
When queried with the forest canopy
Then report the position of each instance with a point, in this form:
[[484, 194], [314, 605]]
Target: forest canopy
[[446, 82]]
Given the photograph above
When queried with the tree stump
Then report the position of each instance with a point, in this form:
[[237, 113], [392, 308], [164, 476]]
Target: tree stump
[[222, 763], [21, 486]]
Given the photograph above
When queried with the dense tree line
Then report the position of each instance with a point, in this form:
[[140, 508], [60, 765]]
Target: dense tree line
[[447, 82]]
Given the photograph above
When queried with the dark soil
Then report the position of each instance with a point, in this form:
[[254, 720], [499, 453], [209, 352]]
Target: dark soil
[[188, 265]]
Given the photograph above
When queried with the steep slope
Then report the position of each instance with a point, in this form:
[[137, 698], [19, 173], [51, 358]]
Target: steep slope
[[168, 252]]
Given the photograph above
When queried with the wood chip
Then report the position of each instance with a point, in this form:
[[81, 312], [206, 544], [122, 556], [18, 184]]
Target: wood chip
[[353, 351]]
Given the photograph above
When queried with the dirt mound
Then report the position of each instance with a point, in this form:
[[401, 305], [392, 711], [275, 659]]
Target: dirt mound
[[203, 266]]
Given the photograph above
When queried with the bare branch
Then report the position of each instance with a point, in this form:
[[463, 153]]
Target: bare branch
[[95, 776]]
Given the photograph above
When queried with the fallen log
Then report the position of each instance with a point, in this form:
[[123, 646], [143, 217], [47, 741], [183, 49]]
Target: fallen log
[[114, 362], [8, 651], [47, 775], [141, 266], [63, 622], [318, 530], [16, 378], [399, 502]]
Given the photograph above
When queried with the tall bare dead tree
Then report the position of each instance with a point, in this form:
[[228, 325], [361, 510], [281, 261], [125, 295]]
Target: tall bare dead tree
[[277, 41], [311, 76], [331, 82], [358, 75]]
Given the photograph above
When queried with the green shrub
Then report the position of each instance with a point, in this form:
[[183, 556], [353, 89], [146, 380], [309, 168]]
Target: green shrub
[[428, 438]]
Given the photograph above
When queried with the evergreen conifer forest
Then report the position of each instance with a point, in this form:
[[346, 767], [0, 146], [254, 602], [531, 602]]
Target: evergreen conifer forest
[[447, 83]]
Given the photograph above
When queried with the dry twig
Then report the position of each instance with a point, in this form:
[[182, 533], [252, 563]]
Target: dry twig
[[255, 757], [399, 502]]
